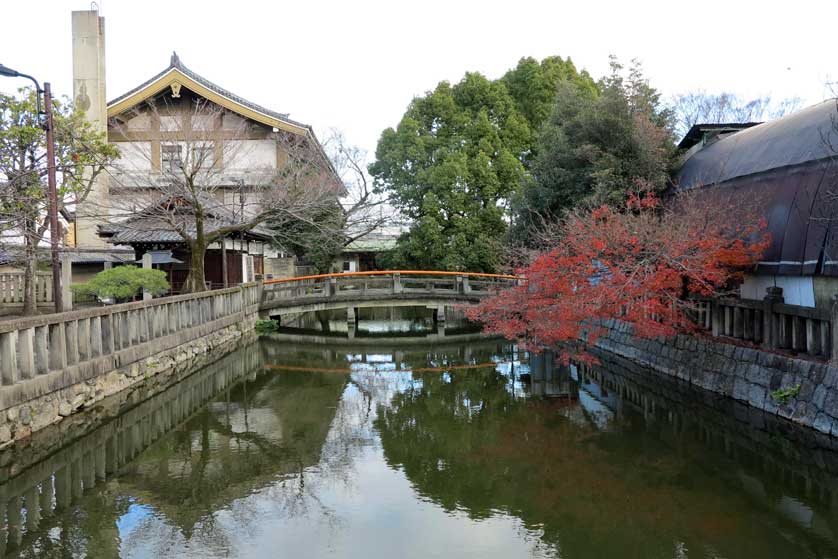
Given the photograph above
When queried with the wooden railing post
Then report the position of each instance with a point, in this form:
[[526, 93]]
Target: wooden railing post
[[716, 311], [770, 322], [834, 330], [397, 283], [146, 266], [66, 280], [8, 357], [812, 339], [26, 352]]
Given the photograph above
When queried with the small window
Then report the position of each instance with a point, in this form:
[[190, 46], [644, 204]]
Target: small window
[[347, 265], [172, 157]]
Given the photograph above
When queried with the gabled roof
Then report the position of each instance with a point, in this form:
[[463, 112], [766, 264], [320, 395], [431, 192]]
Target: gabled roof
[[177, 72]]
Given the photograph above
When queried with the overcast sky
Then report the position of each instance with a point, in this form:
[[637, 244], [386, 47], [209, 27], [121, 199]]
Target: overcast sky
[[355, 65]]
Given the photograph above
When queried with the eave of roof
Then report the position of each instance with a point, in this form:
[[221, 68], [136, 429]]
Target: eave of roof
[[177, 72], [696, 134]]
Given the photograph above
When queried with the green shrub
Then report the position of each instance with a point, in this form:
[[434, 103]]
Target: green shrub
[[783, 395], [266, 326], [123, 283]]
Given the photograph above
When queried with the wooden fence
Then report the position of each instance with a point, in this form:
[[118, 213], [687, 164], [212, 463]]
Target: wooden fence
[[11, 288], [771, 323]]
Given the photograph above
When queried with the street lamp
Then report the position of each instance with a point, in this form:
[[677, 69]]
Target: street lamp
[[54, 232]]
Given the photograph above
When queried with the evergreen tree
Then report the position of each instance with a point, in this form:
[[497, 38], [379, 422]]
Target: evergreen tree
[[453, 160], [458, 156], [596, 145]]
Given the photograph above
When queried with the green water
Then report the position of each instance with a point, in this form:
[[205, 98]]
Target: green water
[[420, 447]]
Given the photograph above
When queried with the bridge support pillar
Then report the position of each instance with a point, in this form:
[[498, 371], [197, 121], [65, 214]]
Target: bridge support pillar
[[351, 321], [439, 314]]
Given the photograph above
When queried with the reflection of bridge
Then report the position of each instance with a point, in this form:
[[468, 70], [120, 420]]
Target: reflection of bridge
[[396, 288]]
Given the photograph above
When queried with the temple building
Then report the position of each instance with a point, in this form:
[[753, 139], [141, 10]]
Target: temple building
[[234, 150], [786, 171]]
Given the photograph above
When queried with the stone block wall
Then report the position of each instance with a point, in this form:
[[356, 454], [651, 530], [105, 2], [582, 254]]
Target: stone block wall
[[20, 421], [745, 374], [53, 365]]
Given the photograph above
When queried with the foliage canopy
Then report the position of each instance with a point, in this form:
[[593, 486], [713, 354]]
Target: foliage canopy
[[597, 145], [458, 155], [636, 261], [124, 282], [81, 153]]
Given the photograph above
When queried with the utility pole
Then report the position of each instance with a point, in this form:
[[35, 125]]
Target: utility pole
[[54, 229]]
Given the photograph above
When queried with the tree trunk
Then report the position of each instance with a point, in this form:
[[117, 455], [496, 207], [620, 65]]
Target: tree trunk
[[195, 282], [30, 267]]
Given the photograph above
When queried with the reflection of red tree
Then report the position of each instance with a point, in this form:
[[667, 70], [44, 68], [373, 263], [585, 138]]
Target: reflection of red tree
[[638, 262]]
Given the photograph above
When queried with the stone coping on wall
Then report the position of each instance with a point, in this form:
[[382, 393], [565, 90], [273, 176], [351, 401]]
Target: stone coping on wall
[[53, 318], [30, 389]]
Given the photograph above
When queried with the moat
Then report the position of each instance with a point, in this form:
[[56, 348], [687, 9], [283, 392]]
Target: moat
[[415, 441]]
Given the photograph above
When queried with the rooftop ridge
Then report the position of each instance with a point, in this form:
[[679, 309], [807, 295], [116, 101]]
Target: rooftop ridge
[[175, 63]]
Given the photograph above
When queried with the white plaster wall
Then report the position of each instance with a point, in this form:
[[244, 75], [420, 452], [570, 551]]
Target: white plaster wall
[[140, 122], [203, 122], [170, 123], [797, 290], [232, 121], [250, 154], [134, 156]]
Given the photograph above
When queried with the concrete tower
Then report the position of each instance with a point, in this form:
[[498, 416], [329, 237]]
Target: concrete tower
[[89, 95]]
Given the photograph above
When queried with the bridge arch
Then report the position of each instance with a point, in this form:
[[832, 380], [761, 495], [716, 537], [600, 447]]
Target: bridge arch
[[388, 288]]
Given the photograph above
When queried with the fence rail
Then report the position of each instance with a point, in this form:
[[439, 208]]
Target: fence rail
[[11, 288], [770, 323]]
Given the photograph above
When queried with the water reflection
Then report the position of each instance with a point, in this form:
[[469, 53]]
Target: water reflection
[[381, 322], [462, 447]]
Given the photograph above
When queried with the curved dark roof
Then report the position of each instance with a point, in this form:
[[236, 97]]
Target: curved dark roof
[[785, 170], [791, 140]]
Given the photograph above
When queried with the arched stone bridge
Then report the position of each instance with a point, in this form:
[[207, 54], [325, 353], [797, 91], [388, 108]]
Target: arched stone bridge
[[393, 288]]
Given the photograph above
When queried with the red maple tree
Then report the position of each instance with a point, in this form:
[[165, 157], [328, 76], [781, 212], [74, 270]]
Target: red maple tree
[[642, 263]]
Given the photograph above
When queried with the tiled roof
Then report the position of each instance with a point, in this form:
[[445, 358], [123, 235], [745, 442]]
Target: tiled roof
[[149, 226], [103, 256], [176, 64], [371, 244]]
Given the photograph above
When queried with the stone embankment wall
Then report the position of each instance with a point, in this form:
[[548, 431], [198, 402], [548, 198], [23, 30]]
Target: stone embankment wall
[[52, 366], [88, 446], [745, 374]]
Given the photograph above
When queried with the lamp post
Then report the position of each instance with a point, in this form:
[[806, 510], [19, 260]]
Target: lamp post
[[54, 232]]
